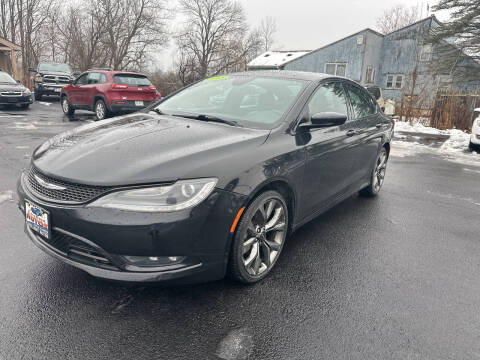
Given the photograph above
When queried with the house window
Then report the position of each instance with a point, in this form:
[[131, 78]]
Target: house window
[[370, 78], [426, 52], [339, 69], [394, 82]]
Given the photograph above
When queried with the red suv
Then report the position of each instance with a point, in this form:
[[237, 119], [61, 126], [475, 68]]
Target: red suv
[[108, 92]]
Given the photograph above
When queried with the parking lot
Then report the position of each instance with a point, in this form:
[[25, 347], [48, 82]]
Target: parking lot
[[394, 277]]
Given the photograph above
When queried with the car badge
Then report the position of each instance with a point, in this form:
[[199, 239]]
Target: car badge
[[48, 185]]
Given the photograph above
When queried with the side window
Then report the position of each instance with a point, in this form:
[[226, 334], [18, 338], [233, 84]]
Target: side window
[[82, 80], [362, 103], [328, 98], [103, 78], [93, 78]]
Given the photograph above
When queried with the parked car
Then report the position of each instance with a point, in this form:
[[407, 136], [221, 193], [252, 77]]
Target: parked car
[[475, 136], [191, 188], [50, 77], [377, 94], [108, 92], [13, 92]]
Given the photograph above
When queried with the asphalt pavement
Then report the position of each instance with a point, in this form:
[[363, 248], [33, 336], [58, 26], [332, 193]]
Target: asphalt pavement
[[394, 277]]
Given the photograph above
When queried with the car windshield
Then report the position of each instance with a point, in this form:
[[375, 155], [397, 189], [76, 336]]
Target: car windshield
[[54, 67], [250, 101], [6, 79], [131, 80]]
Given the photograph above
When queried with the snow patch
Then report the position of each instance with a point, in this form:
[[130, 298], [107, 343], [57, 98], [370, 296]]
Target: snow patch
[[22, 147], [44, 103], [6, 196], [23, 126], [238, 344]]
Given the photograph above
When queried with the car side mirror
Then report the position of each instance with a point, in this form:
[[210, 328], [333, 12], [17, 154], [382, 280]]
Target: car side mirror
[[325, 119], [75, 74], [19, 82], [32, 70]]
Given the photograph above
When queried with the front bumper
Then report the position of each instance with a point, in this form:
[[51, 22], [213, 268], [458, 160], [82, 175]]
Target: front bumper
[[12, 100], [200, 236], [49, 89]]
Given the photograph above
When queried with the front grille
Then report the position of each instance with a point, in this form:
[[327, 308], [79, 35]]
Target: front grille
[[51, 79], [72, 193], [77, 250], [11, 93]]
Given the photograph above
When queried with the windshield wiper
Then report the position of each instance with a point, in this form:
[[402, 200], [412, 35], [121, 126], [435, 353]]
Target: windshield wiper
[[158, 111], [209, 118]]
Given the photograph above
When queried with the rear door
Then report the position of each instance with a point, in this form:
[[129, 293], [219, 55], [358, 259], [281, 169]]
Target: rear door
[[90, 89], [134, 88], [367, 134], [329, 151]]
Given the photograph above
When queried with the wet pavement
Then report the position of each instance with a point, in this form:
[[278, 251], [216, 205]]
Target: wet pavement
[[395, 277]]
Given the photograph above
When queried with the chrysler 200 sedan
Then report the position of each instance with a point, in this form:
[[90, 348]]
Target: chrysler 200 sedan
[[209, 181]]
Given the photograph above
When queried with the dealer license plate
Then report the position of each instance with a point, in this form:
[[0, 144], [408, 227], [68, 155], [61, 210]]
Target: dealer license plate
[[138, 103], [37, 219]]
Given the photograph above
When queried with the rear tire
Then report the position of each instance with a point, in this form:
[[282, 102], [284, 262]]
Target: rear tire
[[473, 147], [259, 238], [101, 111], [378, 175], [66, 106]]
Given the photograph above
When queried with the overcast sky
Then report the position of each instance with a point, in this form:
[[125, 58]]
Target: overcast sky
[[310, 24]]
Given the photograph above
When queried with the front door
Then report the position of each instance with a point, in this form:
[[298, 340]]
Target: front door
[[329, 150], [75, 94]]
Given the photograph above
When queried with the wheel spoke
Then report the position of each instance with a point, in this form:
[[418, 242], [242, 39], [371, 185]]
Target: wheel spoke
[[280, 226], [270, 207], [253, 255], [251, 230], [273, 221], [257, 262], [247, 245], [266, 254], [273, 245]]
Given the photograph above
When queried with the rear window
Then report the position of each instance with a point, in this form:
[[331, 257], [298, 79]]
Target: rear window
[[131, 80]]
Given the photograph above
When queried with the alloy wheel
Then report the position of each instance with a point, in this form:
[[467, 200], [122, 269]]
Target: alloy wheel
[[264, 237], [379, 172], [65, 105], [100, 110]]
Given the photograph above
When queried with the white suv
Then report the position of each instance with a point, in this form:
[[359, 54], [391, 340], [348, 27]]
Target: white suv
[[475, 137]]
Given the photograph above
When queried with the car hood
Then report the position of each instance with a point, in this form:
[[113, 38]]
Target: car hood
[[144, 148], [12, 87], [54, 73]]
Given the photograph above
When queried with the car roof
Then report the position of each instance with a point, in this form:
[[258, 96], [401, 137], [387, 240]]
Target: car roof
[[115, 72], [288, 74]]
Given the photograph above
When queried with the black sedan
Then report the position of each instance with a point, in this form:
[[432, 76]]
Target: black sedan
[[13, 93], [209, 181]]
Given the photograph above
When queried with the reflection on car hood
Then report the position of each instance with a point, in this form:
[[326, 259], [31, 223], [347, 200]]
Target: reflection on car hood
[[11, 87], [54, 73], [144, 148]]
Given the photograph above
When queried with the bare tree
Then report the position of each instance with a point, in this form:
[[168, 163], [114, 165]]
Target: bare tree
[[267, 30], [214, 38], [398, 17]]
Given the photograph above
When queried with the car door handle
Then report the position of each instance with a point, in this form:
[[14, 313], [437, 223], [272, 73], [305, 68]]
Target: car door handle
[[351, 132]]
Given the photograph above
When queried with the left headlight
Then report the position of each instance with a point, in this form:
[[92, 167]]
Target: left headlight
[[178, 196], [27, 92]]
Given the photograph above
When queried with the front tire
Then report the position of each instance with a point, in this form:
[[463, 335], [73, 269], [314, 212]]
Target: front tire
[[67, 107], [24, 106], [259, 238], [101, 111], [378, 175]]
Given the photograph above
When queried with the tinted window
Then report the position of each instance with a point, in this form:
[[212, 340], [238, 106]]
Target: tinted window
[[252, 101], [131, 80], [362, 103], [82, 80], [328, 98], [93, 78], [54, 67]]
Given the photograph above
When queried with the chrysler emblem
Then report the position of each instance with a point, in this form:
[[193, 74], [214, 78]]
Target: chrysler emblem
[[48, 185]]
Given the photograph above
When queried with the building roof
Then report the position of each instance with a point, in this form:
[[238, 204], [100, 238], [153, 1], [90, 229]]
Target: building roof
[[8, 45], [275, 59]]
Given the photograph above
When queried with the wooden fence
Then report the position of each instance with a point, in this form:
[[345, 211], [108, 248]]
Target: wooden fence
[[453, 110]]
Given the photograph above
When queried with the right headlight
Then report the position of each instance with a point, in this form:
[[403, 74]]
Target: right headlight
[[181, 195]]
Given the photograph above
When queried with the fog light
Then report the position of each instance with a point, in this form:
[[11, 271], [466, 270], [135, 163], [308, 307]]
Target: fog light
[[153, 261]]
